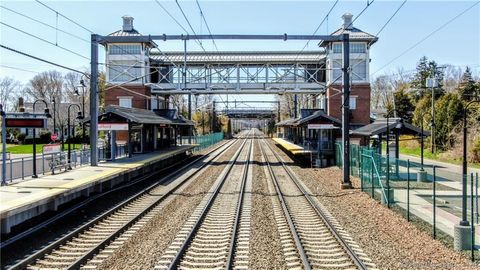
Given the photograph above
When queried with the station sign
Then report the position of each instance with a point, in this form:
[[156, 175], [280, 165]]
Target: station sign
[[52, 148], [25, 123], [112, 126], [321, 126]]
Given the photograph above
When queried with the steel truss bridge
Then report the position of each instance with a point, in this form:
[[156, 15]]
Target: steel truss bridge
[[245, 72], [273, 72]]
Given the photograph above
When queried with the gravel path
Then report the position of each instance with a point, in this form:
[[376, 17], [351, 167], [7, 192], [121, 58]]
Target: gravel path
[[265, 247], [387, 238], [144, 248]]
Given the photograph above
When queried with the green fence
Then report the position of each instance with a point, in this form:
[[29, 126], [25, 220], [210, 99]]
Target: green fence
[[410, 188], [202, 141]]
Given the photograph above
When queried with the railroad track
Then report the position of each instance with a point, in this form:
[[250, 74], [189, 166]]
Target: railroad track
[[216, 236], [73, 250], [311, 237]]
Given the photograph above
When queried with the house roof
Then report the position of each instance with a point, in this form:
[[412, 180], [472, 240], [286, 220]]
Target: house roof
[[121, 33], [355, 34], [379, 127], [241, 56]]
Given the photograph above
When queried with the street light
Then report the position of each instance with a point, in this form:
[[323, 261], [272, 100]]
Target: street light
[[83, 86], [47, 114], [422, 176], [432, 83], [80, 116]]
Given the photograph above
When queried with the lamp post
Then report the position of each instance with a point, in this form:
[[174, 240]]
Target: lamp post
[[422, 175], [47, 113], [463, 238], [4, 147], [69, 130], [432, 83], [83, 86]]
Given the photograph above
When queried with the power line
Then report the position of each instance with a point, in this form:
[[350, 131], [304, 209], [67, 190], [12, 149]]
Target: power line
[[318, 28], [45, 24], [20, 69], [427, 36], [391, 17], [67, 18], [171, 16], [189, 24], [44, 40], [43, 60], [206, 24], [360, 14]]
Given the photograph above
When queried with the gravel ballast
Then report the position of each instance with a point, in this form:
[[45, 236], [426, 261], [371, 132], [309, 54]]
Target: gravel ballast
[[144, 248], [385, 236], [265, 247]]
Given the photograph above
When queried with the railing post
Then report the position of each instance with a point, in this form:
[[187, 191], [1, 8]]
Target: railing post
[[408, 189], [23, 168], [434, 203], [372, 179], [476, 195], [11, 171], [471, 218], [43, 163]]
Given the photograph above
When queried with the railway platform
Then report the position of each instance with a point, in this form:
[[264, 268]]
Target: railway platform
[[294, 149], [25, 200]]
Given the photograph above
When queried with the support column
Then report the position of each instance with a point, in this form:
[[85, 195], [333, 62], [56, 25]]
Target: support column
[[346, 113], [295, 104], [93, 101]]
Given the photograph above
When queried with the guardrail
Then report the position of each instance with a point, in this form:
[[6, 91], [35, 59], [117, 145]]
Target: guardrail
[[201, 141]]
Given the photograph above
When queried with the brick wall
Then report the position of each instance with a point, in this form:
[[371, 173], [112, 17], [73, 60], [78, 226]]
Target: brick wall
[[138, 101], [361, 115]]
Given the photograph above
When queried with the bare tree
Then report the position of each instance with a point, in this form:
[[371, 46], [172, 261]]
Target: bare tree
[[9, 88], [46, 85], [382, 94]]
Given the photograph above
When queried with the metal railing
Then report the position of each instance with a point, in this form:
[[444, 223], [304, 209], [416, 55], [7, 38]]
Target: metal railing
[[22, 167], [201, 141]]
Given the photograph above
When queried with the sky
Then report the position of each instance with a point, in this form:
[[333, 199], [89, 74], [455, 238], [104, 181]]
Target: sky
[[457, 43]]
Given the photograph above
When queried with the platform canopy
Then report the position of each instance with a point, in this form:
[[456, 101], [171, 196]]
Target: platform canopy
[[379, 127], [115, 113]]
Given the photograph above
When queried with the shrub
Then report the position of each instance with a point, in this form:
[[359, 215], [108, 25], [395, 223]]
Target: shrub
[[21, 138], [44, 137], [476, 152]]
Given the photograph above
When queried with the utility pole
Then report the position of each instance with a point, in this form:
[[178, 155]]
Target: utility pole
[[4, 147], [346, 184], [94, 101]]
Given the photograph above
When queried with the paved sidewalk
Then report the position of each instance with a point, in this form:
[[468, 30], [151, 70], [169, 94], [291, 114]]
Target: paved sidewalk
[[443, 165], [419, 206]]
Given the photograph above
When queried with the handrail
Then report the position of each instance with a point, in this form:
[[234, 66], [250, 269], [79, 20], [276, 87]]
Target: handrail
[[378, 175]]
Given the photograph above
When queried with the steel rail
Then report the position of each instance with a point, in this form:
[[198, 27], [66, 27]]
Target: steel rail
[[238, 212], [178, 257], [49, 248], [90, 199], [353, 256], [286, 212]]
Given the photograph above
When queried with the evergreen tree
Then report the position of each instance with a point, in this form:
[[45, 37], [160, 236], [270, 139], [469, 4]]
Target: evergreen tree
[[467, 89], [403, 104], [448, 111], [427, 69]]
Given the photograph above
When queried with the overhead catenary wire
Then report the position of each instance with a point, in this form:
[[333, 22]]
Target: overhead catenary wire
[[65, 17], [206, 24], [427, 36], [19, 69], [45, 24], [44, 40], [42, 60], [318, 28]]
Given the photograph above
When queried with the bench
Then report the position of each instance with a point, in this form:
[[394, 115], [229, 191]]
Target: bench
[[57, 162]]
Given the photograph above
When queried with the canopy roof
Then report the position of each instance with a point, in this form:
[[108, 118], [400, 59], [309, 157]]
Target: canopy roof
[[379, 127], [142, 116], [308, 118]]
